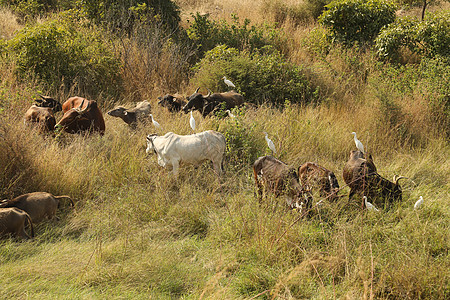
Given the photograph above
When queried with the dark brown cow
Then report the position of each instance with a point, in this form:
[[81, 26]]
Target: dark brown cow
[[274, 176], [41, 117], [174, 103], [38, 205], [13, 222], [206, 104], [313, 176], [86, 117], [133, 115], [47, 101], [361, 175]]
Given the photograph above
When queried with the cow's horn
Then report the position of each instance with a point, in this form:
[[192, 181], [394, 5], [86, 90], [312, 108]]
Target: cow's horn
[[396, 179], [196, 91], [81, 105], [209, 93]]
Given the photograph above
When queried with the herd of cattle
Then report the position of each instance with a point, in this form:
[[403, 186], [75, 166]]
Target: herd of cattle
[[271, 175]]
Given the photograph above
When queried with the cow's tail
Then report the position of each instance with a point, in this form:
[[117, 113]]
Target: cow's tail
[[30, 223], [66, 197]]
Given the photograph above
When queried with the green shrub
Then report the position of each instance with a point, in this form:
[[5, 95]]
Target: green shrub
[[429, 38], [123, 15], [207, 34], [263, 75], [360, 21], [317, 42], [58, 52]]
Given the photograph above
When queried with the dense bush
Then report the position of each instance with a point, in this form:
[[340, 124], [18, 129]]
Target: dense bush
[[60, 53], [263, 75], [429, 38], [207, 34], [123, 15], [360, 21], [26, 9]]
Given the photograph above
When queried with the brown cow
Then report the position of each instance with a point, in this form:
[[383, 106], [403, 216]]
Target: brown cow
[[314, 176], [41, 117], [274, 176], [38, 204], [12, 221], [361, 175], [85, 117]]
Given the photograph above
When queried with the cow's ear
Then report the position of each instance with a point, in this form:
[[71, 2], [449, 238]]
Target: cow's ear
[[125, 113]]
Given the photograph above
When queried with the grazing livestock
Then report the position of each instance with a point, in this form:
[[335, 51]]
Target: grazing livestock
[[313, 176], [206, 104], [13, 222], [41, 117], [274, 176], [360, 174], [173, 149], [86, 117], [48, 102], [133, 115], [38, 204], [174, 103]]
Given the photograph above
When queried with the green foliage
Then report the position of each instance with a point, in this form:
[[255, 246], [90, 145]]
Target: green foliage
[[317, 42], [207, 34], [243, 148], [60, 52], [124, 15], [263, 75], [360, 21], [26, 9], [429, 38]]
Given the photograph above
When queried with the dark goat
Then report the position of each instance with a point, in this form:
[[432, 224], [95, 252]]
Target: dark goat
[[312, 176], [276, 177], [360, 174]]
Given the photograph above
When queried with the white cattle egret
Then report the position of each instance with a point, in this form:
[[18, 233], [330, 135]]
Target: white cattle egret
[[358, 143], [369, 205], [156, 124], [230, 114], [270, 143], [192, 121], [418, 203], [227, 82]]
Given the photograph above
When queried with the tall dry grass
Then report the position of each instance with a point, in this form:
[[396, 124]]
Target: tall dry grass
[[138, 232]]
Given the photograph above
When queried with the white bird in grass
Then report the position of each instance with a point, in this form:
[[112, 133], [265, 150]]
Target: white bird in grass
[[358, 143], [230, 114], [227, 82], [369, 205], [192, 121], [156, 124], [270, 143], [418, 203]]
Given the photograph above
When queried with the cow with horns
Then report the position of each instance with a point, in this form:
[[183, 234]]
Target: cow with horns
[[81, 115], [207, 104]]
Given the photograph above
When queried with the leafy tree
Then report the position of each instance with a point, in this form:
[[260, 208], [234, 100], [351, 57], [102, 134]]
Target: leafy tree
[[360, 21], [428, 38]]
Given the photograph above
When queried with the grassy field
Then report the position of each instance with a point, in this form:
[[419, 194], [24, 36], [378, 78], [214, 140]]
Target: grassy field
[[136, 232]]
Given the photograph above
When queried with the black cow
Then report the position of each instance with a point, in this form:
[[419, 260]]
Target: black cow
[[206, 104]]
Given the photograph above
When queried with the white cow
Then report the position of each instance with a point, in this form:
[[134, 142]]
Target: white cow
[[194, 149]]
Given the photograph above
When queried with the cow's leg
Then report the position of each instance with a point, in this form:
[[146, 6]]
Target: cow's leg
[[175, 165], [217, 165]]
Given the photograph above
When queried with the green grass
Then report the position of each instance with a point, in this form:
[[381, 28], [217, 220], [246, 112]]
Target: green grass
[[136, 232]]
